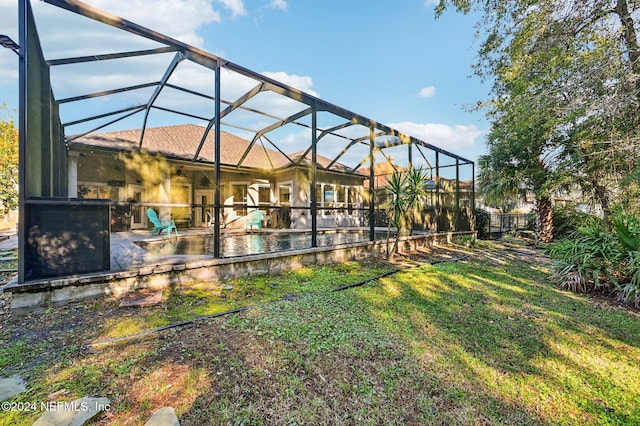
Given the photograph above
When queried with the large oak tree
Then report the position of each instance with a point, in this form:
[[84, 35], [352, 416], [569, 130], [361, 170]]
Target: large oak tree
[[565, 95]]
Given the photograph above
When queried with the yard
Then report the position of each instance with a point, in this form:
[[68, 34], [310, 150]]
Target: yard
[[483, 339]]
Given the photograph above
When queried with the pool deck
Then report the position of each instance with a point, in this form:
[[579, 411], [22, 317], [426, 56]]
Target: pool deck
[[132, 267], [127, 255]]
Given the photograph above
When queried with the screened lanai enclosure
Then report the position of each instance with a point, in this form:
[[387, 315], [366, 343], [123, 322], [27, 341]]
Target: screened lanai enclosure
[[116, 119]]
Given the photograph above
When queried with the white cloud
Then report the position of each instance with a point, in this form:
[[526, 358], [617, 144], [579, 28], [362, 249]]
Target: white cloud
[[465, 140], [294, 142], [181, 19], [278, 4], [427, 92], [235, 6], [458, 139], [303, 83], [178, 19], [429, 3]]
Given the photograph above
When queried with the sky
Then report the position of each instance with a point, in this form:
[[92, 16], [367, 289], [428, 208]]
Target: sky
[[391, 61]]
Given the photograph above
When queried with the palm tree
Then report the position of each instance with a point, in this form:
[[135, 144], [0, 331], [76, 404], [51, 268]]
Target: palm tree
[[417, 192], [502, 181], [407, 191]]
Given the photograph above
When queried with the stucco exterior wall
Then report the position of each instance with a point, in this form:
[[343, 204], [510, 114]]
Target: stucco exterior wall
[[117, 176]]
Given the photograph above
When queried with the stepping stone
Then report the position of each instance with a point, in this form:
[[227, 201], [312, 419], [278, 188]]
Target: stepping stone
[[144, 297], [165, 416], [75, 413], [8, 258], [11, 386]]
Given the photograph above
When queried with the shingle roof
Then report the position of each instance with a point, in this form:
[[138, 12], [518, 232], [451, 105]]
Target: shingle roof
[[182, 141], [321, 160], [382, 172]]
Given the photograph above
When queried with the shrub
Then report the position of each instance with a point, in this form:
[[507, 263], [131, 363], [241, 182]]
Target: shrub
[[483, 219], [583, 259], [627, 229], [531, 221], [468, 241], [593, 258], [567, 220]]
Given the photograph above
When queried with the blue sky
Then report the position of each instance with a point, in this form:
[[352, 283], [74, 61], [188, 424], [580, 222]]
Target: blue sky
[[391, 61]]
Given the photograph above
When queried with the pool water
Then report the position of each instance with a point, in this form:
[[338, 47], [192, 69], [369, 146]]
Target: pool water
[[247, 244]]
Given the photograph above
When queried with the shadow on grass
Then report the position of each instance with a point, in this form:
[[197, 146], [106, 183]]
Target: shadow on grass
[[506, 333], [324, 360], [466, 343]]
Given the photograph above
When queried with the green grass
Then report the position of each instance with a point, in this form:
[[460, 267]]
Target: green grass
[[492, 342], [13, 353], [483, 341], [201, 301], [9, 253]]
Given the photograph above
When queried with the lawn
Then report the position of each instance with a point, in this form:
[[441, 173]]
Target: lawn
[[484, 340]]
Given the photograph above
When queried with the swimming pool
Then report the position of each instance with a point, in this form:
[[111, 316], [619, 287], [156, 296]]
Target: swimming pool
[[247, 244]]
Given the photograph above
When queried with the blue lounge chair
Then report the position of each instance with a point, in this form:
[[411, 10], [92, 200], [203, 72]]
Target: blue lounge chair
[[160, 225], [254, 218]]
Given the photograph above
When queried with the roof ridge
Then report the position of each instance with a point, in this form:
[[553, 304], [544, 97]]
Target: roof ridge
[[183, 140]]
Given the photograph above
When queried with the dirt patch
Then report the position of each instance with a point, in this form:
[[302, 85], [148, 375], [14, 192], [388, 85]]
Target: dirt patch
[[5, 309], [431, 255], [610, 300], [142, 297]]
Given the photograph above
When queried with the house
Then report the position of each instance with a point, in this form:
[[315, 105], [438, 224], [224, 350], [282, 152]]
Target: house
[[64, 225], [173, 173]]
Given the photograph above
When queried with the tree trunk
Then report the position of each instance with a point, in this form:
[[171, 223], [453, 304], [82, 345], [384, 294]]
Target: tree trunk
[[389, 252], [630, 39], [394, 247], [544, 219], [603, 197]]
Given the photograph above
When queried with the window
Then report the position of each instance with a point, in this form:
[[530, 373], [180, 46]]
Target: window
[[223, 194], [352, 200], [331, 198], [98, 190], [319, 202], [284, 194], [264, 197], [239, 194], [324, 198], [341, 199]]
